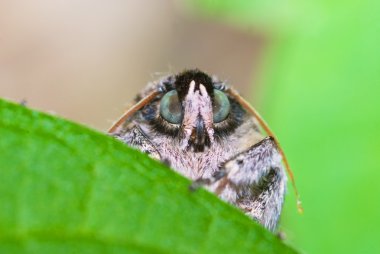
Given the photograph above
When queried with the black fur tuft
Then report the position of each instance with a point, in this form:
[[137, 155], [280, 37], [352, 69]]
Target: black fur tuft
[[182, 82]]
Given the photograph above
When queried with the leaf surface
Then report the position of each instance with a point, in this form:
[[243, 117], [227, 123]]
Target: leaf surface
[[65, 188]]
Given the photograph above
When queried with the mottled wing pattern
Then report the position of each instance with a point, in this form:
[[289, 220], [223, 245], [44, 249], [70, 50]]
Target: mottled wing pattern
[[136, 138]]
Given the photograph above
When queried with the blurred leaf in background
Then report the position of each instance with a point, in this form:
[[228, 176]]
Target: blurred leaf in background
[[321, 82]]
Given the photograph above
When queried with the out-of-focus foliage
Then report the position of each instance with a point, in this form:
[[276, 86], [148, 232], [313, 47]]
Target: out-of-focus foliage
[[68, 189], [322, 88]]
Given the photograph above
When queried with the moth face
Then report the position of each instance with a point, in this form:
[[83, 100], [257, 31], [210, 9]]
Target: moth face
[[196, 111], [195, 114]]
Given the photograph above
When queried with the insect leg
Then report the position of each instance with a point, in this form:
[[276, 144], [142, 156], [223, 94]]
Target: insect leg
[[255, 181], [136, 138]]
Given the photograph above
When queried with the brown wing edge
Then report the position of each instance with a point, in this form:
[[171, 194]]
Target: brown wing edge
[[266, 128]]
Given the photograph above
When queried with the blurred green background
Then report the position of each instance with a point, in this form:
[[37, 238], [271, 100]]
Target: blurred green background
[[312, 69], [321, 82]]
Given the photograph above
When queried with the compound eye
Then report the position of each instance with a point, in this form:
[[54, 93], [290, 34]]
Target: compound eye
[[170, 107], [221, 107]]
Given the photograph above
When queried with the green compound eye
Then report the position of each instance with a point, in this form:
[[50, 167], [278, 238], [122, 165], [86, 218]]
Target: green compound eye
[[170, 108], [221, 107]]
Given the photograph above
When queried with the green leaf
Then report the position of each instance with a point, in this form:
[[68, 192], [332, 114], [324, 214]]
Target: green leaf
[[65, 188]]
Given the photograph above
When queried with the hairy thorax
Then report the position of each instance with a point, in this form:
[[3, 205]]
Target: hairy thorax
[[203, 164]]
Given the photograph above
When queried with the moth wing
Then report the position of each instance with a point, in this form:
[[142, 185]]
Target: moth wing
[[136, 138], [269, 132], [115, 128]]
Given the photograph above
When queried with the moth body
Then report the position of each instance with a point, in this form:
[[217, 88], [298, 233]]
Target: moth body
[[194, 124]]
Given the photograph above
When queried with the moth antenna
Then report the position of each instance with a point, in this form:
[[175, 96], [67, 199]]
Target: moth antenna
[[132, 111], [266, 128]]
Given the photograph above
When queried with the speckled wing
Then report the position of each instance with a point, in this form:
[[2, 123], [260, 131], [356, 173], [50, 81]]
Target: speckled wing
[[136, 138]]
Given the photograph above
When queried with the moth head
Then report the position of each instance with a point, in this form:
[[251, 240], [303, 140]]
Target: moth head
[[190, 107], [194, 106]]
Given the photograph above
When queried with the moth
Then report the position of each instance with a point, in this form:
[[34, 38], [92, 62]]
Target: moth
[[204, 130]]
